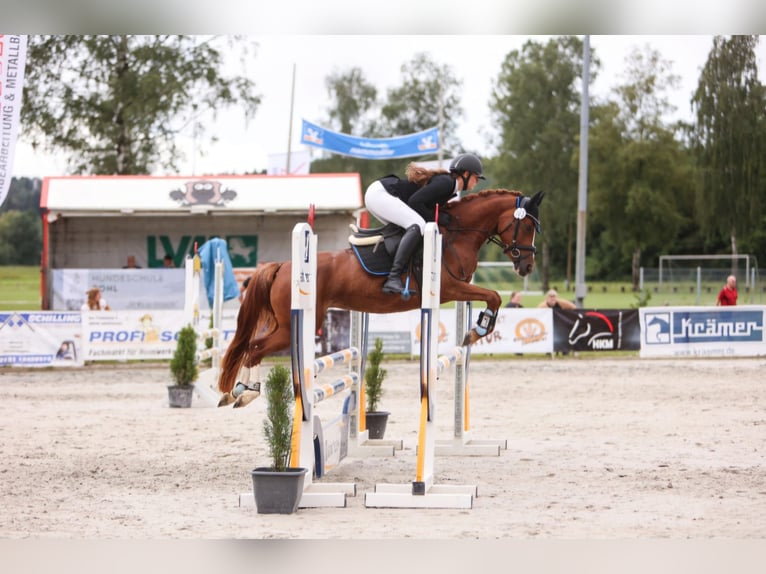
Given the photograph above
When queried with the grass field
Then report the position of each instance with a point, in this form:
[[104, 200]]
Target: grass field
[[20, 291], [19, 288]]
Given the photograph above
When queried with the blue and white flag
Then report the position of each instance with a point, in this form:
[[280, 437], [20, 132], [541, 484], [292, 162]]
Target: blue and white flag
[[421, 143]]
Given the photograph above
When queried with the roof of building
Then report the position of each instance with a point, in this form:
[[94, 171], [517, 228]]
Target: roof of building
[[146, 195]]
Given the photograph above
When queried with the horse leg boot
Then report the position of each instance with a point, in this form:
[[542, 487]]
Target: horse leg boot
[[407, 245]]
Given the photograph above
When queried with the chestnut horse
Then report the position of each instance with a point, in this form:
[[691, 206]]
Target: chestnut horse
[[503, 217]]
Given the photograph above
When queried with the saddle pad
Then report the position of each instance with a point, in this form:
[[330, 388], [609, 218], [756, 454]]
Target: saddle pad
[[373, 261]]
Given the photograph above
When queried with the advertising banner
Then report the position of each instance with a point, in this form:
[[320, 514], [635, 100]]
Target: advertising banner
[[13, 56], [516, 331], [142, 335], [702, 331], [421, 143], [123, 289], [40, 339], [596, 330]]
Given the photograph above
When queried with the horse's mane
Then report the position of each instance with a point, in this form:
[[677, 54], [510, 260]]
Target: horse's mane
[[474, 196]]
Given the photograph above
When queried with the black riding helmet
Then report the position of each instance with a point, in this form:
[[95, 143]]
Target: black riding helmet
[[467, 162]]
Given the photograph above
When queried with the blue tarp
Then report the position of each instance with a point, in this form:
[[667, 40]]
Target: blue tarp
[[209, 253]]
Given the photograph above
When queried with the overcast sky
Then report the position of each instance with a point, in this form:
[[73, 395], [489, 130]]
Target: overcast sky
[[475, 60]]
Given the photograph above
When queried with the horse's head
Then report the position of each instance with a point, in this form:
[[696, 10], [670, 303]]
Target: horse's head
[[517, 228]]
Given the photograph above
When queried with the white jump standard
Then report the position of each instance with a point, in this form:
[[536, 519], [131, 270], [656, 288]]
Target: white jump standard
[[423, 492], [206, 385], [317, 445]]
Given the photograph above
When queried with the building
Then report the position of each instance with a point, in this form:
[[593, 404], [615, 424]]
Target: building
[[97, 222]]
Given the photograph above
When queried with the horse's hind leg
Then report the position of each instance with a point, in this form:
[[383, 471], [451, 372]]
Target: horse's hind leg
[[248, 386]]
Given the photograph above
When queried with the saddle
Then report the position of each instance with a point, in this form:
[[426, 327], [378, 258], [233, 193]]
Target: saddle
[[375, 248]]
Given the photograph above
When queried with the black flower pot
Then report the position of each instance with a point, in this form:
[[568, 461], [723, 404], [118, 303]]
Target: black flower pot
[[278, 492], [376, 423], [180, 396]]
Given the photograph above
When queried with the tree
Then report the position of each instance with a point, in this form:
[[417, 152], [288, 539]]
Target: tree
[[729, 139], [20, 238], [428, 96], [353, 98], [116, 104], [536, 104], [23, 195], [640, 184], [411, 107]]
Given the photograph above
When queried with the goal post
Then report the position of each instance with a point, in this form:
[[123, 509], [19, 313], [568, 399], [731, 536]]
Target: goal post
[[750, 263]]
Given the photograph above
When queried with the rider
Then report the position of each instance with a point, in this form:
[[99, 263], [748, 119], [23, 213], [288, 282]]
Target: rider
[[411, 202]]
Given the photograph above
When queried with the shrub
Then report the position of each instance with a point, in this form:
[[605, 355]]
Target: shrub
[[183, 366]]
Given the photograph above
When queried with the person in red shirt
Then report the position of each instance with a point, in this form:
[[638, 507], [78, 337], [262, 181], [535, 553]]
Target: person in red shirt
[[728, 295]]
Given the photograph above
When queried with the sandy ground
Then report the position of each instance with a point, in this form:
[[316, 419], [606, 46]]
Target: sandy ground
[[597, 449]]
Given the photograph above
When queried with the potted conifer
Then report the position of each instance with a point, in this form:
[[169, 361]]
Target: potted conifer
[[183, 367], [278, 488], [373, 388]]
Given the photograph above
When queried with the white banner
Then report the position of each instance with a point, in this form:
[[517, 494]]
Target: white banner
[[13, 55], [40, 339], [123, 289], [141, 335], [703, 331], [516, 331]]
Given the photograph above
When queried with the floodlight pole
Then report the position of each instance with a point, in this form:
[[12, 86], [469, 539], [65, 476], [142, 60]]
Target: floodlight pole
[[582, 196], [290, 131]]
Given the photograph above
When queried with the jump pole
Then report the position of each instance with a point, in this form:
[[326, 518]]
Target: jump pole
[[423, 492], [463, 443]]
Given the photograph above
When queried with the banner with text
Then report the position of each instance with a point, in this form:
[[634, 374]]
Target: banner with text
[[421, 143], [703, 331], [13, 55], [40, 339]]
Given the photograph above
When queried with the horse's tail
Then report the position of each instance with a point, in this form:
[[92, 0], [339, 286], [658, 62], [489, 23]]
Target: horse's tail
[[255, 314]]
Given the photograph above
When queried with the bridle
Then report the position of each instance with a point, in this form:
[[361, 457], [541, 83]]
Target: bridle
[[513, 248], [517, 252]]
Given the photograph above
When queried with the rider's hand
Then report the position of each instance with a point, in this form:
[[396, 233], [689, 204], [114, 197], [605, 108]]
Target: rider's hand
[[445, 219]]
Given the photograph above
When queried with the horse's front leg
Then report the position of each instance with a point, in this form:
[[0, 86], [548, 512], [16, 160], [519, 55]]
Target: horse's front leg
[[485, 324]]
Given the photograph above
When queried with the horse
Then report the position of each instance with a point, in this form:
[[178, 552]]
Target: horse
[[506, 218]]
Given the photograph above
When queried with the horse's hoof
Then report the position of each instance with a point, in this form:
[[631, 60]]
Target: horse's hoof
[[470, 338], [246, 398], [225, 400]]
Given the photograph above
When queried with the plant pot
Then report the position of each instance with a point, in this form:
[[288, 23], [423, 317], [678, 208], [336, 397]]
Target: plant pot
[[277, 492], [376, 423], [180, 396]]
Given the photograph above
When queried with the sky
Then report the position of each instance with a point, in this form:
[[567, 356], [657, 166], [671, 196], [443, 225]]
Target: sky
[[475, 60]]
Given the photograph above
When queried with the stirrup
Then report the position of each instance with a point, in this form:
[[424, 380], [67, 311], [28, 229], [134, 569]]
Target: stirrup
[[393, 285]]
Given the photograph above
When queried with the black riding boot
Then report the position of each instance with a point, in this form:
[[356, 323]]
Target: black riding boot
[[407, 245]]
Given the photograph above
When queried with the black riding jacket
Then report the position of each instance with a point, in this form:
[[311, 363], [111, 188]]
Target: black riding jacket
[[438, 191]]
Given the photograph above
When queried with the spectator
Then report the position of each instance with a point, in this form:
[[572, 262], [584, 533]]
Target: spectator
[[167, 261], [95, 301], [131, 264], [515, 300], [552, 301], [728, 295]]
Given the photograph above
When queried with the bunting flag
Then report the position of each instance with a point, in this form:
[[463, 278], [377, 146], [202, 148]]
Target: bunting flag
[[13, 56], [421, 143]]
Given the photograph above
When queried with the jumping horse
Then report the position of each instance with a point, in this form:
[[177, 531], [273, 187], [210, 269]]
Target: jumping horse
[[506, 218]]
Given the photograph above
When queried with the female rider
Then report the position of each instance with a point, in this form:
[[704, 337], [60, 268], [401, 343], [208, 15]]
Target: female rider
[[410, 203]]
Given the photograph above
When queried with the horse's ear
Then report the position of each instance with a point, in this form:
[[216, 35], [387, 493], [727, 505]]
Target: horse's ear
[[537, 198]]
